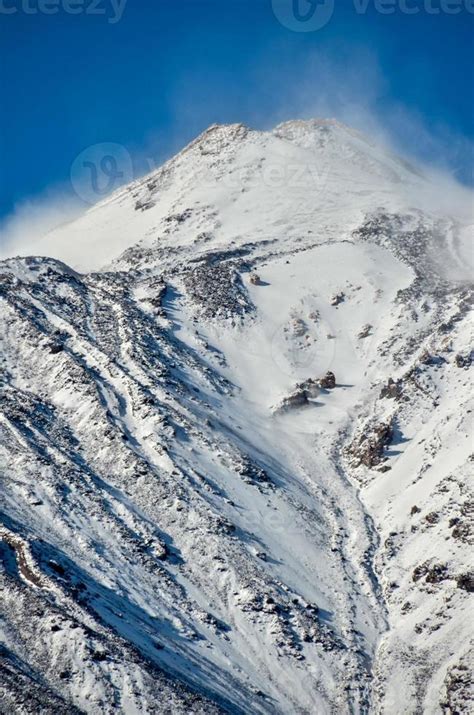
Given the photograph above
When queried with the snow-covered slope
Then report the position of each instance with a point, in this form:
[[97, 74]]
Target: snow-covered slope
[[236, 440]]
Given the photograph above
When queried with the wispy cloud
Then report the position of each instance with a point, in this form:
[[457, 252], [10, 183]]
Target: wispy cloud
[[32, 219], [351, 89]]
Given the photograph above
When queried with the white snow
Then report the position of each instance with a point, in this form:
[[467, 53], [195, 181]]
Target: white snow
[[138, 454]]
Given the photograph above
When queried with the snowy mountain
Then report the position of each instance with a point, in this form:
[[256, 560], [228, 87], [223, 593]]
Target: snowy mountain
[[236, 440]]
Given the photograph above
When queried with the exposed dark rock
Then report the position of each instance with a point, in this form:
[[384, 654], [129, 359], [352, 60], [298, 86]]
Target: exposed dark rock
[[392, 389], [462, 530], [310, 386], [296, 399], [218, 289], [433, 573], [179, 217], [251, 472], [411, 239], [458, 684], [466, 582], [365, 332], [427, 358], [60, 570], [368, 450], [463, 360], [99, 656], [160, 549], [143, 205], [298, 327], [328, 382], [337, 299]]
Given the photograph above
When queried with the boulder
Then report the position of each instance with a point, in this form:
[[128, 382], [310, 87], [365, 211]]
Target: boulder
[[365, 332], [303, 391], [466, 582], [462, 360], [338, 298], [56, 348], [328, 382], [144, 205], [392, 389], [462, 531], [433, 573], [310, 387], [296, 399], [369, 449]]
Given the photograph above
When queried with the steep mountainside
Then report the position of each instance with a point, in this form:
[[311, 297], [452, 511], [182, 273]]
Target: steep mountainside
[[236, 440]]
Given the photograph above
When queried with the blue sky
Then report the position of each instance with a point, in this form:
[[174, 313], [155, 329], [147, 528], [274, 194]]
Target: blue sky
[[168, 68]]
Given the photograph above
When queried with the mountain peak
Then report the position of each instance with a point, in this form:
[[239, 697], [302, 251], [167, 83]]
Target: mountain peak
[[313, 124], [219, 135], [235, 185], [236, 446]]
